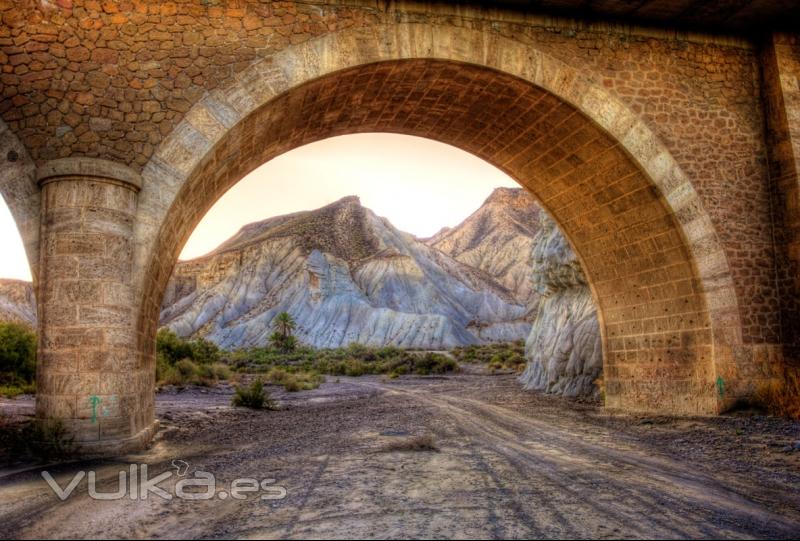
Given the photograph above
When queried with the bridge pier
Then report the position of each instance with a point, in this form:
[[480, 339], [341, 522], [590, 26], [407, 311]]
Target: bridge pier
[[780, 73], [91, 375]]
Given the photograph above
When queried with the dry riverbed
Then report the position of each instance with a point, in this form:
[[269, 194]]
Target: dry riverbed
[[354, 458]]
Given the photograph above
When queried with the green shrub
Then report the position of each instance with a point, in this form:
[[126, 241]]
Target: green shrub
[[163, 366], [17, 353], [172, 347], [16, 389], [172, 376], [182, 362], [221, 371], [294, 381], [254, 397], [497, 357], [355, 368], [434, 363], [354, 360], [204, 351], [186, 368]]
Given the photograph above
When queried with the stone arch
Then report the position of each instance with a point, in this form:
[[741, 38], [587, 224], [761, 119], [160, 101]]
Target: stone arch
[[21, 192], [650, 218]]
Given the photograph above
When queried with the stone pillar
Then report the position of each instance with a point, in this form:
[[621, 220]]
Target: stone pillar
[[780, 65], [90, 372]]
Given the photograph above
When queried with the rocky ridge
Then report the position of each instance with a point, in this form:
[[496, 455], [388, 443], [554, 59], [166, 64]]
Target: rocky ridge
[[345, 275], [496, 239]]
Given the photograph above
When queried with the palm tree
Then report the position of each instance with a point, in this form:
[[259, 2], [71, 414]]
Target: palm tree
[[282, 338], [284, 324]]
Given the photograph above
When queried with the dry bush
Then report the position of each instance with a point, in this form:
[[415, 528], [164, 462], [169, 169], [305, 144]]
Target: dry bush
[[412, 444], [253, 397]]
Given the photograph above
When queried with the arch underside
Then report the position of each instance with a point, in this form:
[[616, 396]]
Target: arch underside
[[657, 339]]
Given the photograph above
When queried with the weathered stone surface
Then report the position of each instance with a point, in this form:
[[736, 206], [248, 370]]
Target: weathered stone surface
[[89, 357], [698, 93], [346, 276], [564, 350], [780, 61]]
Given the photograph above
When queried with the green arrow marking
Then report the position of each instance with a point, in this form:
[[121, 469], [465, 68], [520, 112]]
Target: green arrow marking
[[94, 400]]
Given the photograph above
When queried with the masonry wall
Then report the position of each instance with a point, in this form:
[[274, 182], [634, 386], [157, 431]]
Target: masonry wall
[[111, 79], [781, 93]]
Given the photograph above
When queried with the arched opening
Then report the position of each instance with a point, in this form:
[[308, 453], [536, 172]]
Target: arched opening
[[17, 311], [654, 319], [452, 253]]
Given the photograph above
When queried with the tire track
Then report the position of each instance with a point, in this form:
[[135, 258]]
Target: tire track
[[644, 483]]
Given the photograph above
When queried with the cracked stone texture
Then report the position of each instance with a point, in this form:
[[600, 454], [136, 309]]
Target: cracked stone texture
[[563, 349]]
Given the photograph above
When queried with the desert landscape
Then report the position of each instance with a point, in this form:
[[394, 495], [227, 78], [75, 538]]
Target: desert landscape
[[471, 433]]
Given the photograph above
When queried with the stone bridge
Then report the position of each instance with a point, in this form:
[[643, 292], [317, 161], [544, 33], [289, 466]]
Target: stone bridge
[[668, 156]]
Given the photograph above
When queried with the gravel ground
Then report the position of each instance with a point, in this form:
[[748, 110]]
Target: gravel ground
[[506, 464]]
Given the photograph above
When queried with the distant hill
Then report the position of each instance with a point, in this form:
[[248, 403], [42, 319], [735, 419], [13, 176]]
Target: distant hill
[[17, 302], [346, 275], [497, 239]]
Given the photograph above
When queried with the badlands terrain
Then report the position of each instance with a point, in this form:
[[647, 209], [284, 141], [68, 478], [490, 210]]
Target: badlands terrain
[[345, 275]]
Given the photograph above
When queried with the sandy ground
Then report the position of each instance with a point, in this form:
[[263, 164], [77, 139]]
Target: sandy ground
[[510, 464]]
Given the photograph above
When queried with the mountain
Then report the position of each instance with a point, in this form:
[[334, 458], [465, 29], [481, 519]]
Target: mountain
[[17, 302], [564, 350], [497, 239], [345, 275]]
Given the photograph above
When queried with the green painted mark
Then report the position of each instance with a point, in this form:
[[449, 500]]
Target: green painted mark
[[94, 400], [720, 386], [112, 400]]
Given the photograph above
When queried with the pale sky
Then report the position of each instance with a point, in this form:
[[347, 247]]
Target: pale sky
[[13, 261], [420, 185]]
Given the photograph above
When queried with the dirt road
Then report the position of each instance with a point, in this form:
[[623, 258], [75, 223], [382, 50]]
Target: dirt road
[[509, 464]]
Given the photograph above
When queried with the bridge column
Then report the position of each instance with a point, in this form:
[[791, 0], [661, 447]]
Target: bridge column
[[781, 95], [90, 373]]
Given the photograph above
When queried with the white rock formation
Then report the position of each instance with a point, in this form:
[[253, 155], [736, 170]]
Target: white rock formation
[[496, 238], [563, 349], [17, 302], [346, 276]]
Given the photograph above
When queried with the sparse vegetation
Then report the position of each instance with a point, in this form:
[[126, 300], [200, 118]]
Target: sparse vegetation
[[17, 359], [301, 380], [182, 362], [421, 443], [253, 397], [500, 357], [14, 390], [302, 368]]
